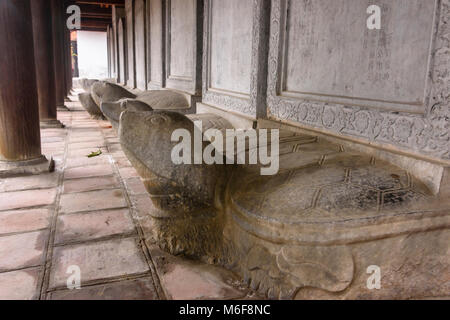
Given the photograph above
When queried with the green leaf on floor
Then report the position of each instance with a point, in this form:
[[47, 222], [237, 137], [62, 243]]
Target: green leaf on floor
[[95, 154]]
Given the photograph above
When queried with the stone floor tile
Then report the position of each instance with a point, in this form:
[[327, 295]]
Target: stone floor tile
[[54, 145], [109, 133], [90, 184], [42, 181], [85, 152], [118, 154], [24, 220], [85, 125], [83, 132], [88, 226], [22, 250], [115, 147], [122, 162], [85, 161], [112, 140], [58, 158], [47, 134], [88, 171], [87, 138], [142, 203], [52, 139], [53, 154], [99, 260], [128, 172], [86, 134], [94, 200], [86, 145], [19, 285], [135, 186], [189, 280], [25, 199], [105, 126], [138, 289]]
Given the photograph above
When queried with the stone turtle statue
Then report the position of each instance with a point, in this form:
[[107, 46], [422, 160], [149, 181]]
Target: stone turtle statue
[[313, 230], [103, 91], [147, 101], [90, 106], [87, 84]]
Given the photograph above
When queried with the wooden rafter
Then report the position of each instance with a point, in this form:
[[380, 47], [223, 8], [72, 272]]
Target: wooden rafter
[[96, 15]]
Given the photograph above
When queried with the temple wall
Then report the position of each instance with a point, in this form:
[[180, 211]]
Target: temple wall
[[131, 50], [122, 51], [230, 52], [155, 43], [235, 60], [140, 44], [386, 87], [311, 64], [112, 59], [184, 19]]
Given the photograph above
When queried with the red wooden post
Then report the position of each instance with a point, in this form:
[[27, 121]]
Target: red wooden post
[[20, 141], [45, 69], [58, 51]]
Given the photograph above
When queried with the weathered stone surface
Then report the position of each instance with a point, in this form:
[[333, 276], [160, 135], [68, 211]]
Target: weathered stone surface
[[113, 110], [164, 100], [135, 186], [98, 260], [89, 105], [28, 288], [405, 274], [182, 192], [89, 226], [26, 199], [22, 250], [109, 92], [394, 101], [139, 289], [189, 280], [311, 230], [24, 220], [90, 184], [41, 181], [300, 228], [84, 170], [87, 84], [93, 200], [147, 101]]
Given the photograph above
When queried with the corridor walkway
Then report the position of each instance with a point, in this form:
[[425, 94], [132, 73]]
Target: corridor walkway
[[91, 213]]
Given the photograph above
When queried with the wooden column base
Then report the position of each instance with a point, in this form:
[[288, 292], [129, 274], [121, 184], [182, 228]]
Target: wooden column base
[[49, 124], [35, 166], [62, 108]]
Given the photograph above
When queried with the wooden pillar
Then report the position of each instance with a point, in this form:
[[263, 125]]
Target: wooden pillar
[[20, 141], [58, 51], [43, 54], [74, 50], [67, 60]]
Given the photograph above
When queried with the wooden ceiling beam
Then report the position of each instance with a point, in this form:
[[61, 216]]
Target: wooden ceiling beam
[[102, 3]]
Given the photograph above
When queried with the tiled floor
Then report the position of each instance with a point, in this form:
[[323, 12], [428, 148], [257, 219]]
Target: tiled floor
[[91, 213]]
